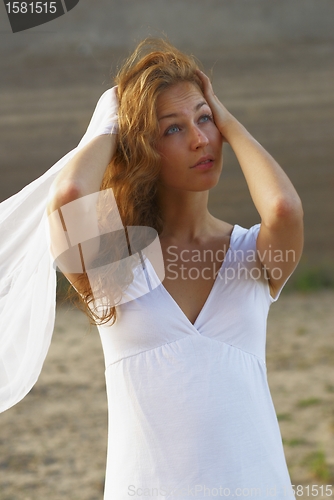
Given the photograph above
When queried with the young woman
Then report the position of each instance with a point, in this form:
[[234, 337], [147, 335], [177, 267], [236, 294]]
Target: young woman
[[190, 412]]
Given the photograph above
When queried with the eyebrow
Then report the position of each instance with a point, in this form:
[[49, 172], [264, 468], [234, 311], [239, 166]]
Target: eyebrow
[[175, 115]]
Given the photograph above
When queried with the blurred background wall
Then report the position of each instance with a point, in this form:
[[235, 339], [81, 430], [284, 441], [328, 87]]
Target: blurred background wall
[[272, 65], [188, 23]]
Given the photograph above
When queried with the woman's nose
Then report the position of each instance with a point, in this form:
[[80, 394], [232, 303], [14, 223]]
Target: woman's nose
[[198, 139]]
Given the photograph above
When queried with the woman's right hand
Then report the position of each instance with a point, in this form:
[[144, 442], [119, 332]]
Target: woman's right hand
[[106, 121], [222, 117]]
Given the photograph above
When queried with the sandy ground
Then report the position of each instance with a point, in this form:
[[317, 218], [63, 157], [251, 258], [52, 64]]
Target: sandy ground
[[53, 443]]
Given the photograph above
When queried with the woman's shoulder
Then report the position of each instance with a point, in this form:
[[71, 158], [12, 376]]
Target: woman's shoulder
[[222, 228], [245, 237], [237, 231], [240, 238]]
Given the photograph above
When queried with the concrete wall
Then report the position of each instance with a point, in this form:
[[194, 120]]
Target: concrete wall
[[199, 24]]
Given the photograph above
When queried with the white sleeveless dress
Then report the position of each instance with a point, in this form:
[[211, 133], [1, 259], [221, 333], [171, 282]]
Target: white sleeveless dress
[[190, 411]]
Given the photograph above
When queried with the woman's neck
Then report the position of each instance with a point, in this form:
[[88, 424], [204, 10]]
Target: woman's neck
[[185, 215]]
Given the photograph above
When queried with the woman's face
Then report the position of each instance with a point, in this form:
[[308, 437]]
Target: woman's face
[[190, 144]]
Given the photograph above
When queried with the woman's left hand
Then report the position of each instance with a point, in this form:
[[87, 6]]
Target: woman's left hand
[[222, 117]]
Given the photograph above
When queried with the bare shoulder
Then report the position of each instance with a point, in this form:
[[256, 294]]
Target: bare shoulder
[[221, 228]]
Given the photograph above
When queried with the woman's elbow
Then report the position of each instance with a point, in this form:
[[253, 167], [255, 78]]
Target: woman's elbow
[[63, 193], [286, 210]]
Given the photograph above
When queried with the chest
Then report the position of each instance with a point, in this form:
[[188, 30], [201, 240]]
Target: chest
[[190, 274]]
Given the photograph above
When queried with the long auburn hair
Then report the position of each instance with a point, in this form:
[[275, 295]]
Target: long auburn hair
[[133, 172]]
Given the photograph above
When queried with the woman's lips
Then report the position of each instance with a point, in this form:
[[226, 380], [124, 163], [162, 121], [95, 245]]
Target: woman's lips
[[204, 163]]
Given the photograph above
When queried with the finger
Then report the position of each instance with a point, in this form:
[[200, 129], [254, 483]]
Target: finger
[[205, 80], [207, 86]]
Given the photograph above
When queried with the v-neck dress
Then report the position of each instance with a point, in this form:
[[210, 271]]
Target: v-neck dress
[[190, 410]]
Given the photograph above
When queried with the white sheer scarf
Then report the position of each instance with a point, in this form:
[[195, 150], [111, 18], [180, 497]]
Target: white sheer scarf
[[27, 271]]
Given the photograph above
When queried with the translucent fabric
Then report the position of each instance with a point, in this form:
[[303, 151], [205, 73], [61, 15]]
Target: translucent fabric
[[27, 271]]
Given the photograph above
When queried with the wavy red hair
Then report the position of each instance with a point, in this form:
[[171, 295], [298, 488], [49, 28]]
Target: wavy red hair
[[133, 173]]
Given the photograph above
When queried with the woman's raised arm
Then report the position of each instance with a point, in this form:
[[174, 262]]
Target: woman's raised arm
[[80, 177], [272, 192], [84, 172]]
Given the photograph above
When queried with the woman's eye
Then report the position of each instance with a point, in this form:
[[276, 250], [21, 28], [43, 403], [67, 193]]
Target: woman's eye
[[205, 118], [175, 128], [172, 129]]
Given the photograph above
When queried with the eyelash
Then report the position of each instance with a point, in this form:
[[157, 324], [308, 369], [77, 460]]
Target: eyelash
[[210, 118]]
